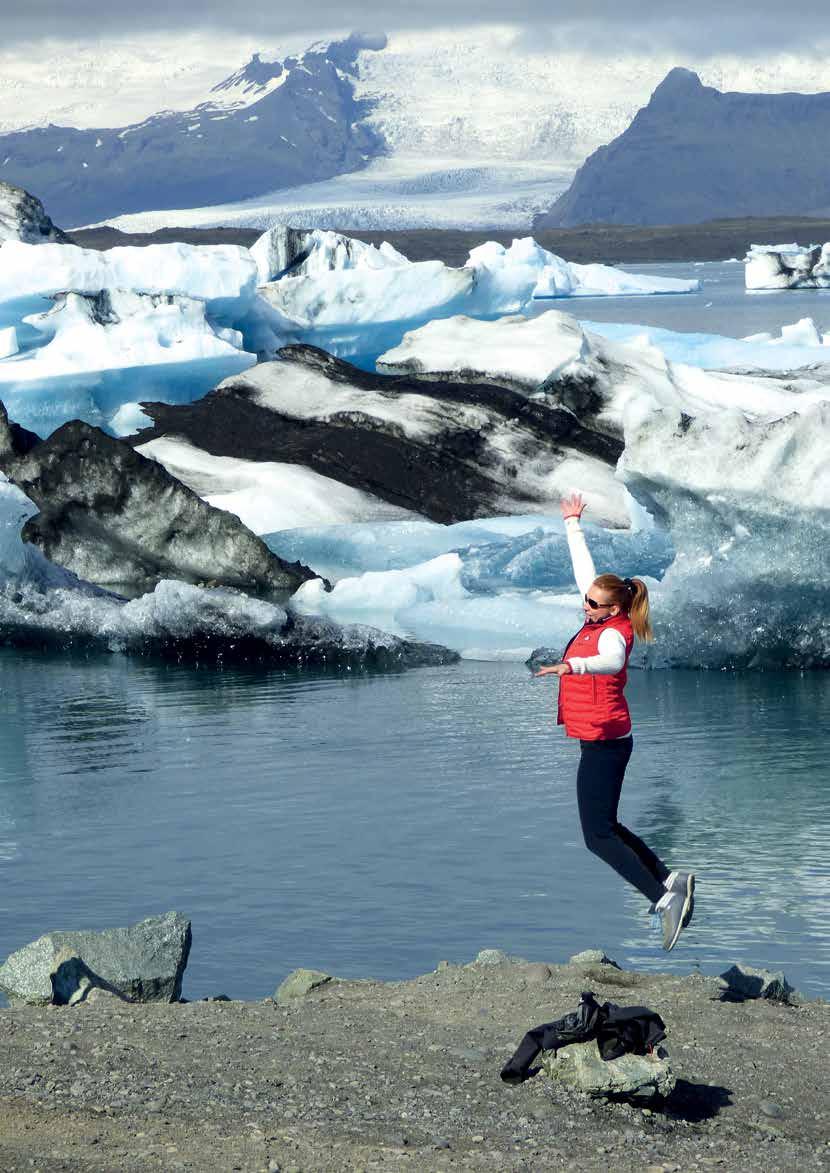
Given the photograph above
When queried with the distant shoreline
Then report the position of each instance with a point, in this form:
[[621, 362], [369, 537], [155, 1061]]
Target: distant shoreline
[[715, 240]]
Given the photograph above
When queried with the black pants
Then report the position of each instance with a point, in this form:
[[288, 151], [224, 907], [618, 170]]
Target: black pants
[[598, 784]]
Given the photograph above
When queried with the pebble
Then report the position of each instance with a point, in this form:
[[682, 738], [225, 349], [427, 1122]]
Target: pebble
[[770, 1108]]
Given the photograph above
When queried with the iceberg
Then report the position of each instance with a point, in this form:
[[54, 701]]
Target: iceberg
[[787, 266], [798, 345], [444, 452], [217, 274], [43, 605], [268, 495], [497, 553], [355, 300], [156, 321], [732, 468]]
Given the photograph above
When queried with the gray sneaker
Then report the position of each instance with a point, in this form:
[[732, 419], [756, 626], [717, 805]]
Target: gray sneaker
[[671, 907], [683, 882]]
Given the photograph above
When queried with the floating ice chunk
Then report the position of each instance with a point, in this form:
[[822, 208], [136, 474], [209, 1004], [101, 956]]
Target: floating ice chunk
[[8, 341], [496, 553], [795, 347], [282, 250], [267, 495], [85, 333], [515, 351], [218, 272], [383, 596], [180, 611], [356, 301]]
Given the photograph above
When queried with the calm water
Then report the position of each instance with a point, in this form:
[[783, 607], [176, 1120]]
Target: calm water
[[722, 307], [373, 824]]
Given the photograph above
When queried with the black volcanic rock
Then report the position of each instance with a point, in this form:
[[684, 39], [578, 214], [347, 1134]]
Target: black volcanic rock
[[22, 217], [449, 451], [14, 440], [694, 154], [271, 125], [119, 520]]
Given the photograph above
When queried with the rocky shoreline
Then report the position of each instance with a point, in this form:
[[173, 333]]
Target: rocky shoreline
[[333, 1074]]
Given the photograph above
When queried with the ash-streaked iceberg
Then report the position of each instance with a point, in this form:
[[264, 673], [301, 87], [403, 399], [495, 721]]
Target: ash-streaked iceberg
[[787, 266], [268, 495]]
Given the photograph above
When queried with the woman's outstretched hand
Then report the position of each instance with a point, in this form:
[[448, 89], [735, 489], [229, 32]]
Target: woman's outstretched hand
[[554, 670], [572, 506]]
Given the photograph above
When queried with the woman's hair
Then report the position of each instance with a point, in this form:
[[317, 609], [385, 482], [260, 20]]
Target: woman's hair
[[631, 596]]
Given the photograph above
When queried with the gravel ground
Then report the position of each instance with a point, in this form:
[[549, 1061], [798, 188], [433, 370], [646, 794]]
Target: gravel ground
[[365, 1075]]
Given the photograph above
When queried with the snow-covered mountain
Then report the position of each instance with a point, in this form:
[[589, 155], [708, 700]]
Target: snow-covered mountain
[[270, 124], [472, 127]]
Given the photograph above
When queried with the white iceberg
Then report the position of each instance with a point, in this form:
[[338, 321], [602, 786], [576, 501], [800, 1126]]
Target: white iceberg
[[8, 341], [798, 345], [119, 328], [211, 273], [356, 300], [154, 322]]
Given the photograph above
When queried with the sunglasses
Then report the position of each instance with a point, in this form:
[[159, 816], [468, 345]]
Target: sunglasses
[[594, 605]]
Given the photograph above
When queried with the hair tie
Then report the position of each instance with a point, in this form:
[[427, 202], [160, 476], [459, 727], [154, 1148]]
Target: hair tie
[[627, 582]]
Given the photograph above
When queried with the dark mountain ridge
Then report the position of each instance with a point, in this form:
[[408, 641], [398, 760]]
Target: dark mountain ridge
[[694, 154]]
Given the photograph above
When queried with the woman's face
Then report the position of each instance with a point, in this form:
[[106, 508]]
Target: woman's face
[[604, 607]]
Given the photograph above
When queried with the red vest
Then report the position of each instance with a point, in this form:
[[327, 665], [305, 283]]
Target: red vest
[[593, 708]]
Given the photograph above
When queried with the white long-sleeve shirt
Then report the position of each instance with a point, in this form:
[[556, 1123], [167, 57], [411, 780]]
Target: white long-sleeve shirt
[[611, 644]]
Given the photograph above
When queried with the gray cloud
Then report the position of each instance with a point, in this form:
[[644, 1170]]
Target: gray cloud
[[708, 27]]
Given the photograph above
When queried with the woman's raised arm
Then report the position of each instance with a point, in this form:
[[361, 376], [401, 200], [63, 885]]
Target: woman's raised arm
[[583, 564]]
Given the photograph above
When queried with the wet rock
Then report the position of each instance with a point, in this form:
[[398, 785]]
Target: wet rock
[[581, 1066], [741, 981], [299, 983], [144, 962]]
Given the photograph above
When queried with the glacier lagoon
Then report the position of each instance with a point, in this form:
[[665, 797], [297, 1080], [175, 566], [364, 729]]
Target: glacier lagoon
[[375, 824], [250, 800]]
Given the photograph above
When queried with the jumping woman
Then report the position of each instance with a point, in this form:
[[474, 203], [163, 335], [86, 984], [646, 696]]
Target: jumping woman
[[592, 707]]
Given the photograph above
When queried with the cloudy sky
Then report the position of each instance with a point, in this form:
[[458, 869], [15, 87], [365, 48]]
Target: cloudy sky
[[749, 26]]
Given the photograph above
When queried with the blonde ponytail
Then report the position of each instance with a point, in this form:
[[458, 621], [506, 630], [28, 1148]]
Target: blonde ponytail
[[631, 596]]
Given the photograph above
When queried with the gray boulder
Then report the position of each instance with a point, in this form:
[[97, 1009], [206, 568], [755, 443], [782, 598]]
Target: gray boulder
[[741, 981], [144, 962], [121, 521], [22, 217], [300, 983], [581, 1066]]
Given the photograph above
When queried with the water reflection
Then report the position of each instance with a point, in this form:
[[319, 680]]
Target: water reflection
[[373, 823]]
